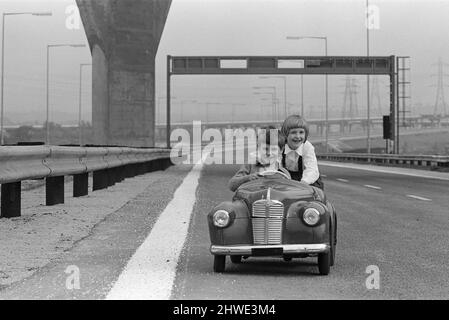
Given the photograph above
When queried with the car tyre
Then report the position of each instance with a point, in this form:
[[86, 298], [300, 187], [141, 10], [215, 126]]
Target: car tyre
[[332, 249], [287, 259], [334, 243], [219, 263], [324, 262], [236, 259]]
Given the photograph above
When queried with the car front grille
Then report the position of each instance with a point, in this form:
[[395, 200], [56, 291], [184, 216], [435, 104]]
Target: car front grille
[[267, 222]]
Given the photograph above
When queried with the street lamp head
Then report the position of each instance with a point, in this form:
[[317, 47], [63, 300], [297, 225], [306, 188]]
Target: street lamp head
[[263, 87], [66, 45], [42, 14], [271, 77], [305, 37]]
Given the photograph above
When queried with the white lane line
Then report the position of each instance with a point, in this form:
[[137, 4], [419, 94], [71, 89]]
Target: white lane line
[[324, 176], [372, 187], [390, 170], [151, 271], [418, 197], [342, 180]]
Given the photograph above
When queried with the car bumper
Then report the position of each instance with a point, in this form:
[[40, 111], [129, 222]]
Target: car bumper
[[250, 250]]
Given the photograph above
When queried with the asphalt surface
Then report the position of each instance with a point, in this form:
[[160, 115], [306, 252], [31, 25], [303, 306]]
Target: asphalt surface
[[397, 223], [406, 238], [101, 256]]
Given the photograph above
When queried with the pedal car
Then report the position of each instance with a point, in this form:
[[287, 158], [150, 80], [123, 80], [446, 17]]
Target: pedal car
[[274, 216]]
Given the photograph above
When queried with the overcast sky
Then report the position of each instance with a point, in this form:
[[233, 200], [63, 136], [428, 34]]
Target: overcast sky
[[231, 27]]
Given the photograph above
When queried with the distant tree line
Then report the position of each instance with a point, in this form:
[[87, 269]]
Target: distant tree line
[[59, 135]]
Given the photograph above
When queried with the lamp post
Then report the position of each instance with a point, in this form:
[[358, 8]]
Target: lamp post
[[40, 14], [232, 110], [285, 90], [159, 105], [273, 100], [368, 138], [274, 94], [47, 136], [80, 132], [327, 89], [207, 104], [182, 107], [302, 95]]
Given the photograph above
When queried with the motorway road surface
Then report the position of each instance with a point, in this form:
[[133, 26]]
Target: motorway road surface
[[398, 223]]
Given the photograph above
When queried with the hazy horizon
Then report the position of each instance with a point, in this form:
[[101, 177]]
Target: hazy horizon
[[232, 27]]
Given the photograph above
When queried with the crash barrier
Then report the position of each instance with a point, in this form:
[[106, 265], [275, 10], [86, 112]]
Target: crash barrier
[[389, 159], [108, 165]]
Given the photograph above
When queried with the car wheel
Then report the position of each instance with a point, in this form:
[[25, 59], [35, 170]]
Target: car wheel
[[324, 261], [219, 263], [334, 242], [332, 249], [287, 259], [236, 259]]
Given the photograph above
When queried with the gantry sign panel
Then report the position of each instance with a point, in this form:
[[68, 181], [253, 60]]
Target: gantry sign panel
[[249, 65], [283, 65]]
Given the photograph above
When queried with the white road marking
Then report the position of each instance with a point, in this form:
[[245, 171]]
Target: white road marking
[[342, 180], [372, 187], [418, 197], [151, 271], [390, 170], [324, 176]]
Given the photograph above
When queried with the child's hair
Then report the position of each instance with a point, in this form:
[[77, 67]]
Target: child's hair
[[293, 122], [265, 136]]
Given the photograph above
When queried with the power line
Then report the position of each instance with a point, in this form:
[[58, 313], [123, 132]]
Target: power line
[[440, 102]]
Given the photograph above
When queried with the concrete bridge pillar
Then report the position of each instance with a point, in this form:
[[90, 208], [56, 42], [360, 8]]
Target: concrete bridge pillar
[[123, 38]]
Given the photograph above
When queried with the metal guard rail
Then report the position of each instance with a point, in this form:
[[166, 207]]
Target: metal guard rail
[[107, 164], [395, 159]]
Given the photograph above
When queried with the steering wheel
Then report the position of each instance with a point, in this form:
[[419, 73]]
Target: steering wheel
[[270, 173]]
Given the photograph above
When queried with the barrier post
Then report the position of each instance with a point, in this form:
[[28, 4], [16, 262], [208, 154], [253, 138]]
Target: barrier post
[[80, 184], [117, 176], [54, 190], [141, 168], [11, 196], [111, 176], [134, 171], [100, 180], [121, 171], [167, 162], [149, 166], [128, 171]]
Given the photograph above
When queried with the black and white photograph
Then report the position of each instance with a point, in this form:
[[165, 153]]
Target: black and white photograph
[[223, 156]]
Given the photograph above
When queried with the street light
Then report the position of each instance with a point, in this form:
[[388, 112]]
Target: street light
[[327, 91], [232, 110], [159, 107], [285, 90], [274, 93], [47, 136], [207, 104], [182, 107], [40, 14], [368, 138], [262, 107], [273, 102], [80, 133]]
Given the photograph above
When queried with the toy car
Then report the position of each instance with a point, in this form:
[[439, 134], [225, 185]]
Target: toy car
[[274, 216]]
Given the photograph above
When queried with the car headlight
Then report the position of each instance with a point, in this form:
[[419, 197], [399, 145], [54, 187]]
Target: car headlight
[[311, 216], [221, 218]]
